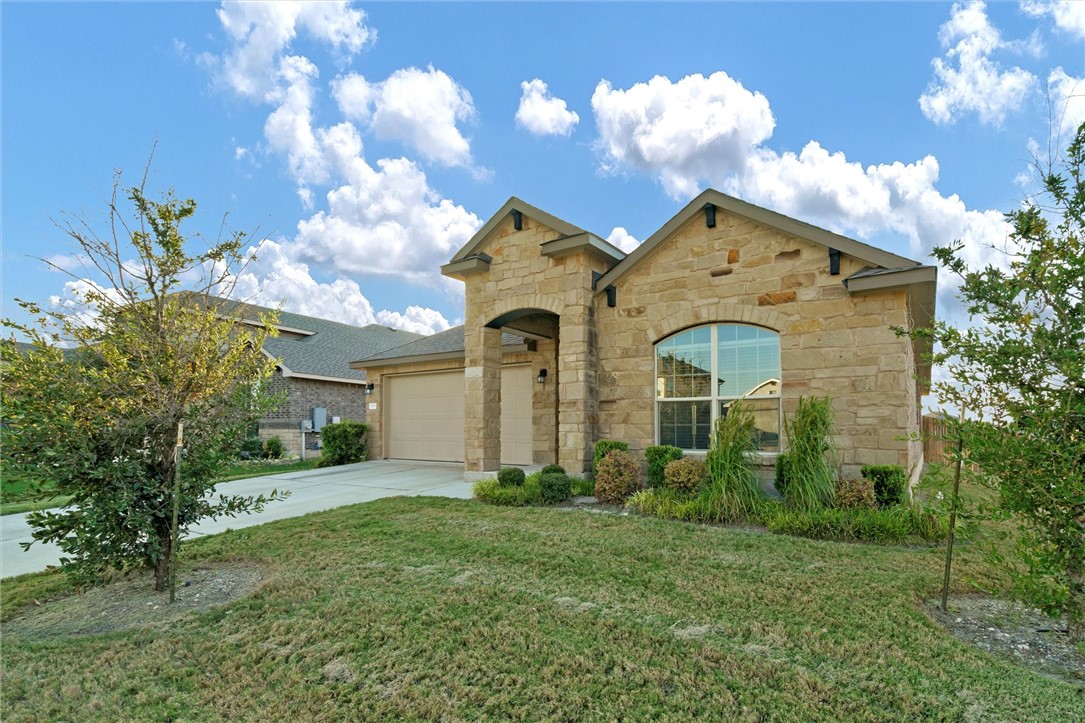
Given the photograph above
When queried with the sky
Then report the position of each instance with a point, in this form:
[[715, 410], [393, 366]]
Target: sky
[[364, 144]]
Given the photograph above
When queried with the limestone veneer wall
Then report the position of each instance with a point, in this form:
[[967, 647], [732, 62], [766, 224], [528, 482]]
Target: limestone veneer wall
[[832, 343]]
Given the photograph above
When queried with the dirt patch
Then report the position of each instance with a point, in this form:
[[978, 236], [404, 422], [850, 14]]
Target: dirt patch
[[131, 602], [1010, 630]]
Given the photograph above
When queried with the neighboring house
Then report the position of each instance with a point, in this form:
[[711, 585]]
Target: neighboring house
[[313, 373], [726, 301]]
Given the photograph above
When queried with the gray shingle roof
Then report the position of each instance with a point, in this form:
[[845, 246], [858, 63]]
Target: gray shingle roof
[[330, 347], [449, 341]]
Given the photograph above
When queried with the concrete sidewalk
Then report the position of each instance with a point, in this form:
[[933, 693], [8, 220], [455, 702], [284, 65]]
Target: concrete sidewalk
[[310, 491]]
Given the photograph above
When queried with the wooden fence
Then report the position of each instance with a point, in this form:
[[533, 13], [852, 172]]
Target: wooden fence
[[934, 439]]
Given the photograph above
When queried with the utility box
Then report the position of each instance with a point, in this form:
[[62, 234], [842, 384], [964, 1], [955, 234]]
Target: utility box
[[306, 425], [320, 418]]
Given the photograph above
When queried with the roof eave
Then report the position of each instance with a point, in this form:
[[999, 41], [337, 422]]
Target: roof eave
[[475, 243], [363, 364], [583, 242], [476, 264]]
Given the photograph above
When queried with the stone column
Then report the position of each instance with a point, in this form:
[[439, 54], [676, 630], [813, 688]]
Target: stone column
[[577, 392], [482, 399]]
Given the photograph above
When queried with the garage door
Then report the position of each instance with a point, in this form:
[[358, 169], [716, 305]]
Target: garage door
[[425, 416]]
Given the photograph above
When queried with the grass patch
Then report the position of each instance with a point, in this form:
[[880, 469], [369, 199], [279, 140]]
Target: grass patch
[[418, 608]]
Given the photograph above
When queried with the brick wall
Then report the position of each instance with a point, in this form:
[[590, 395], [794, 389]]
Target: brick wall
[[347, 401]]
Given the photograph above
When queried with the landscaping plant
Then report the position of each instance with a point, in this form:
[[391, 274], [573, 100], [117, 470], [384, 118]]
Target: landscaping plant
[[1019, 370], [783, 472], [732, 492], [511, 477], [658, 456], [273, 448], [604, 447], [856, 494], [687, 475], [811, 481], [553, 469], [617, 476], [555, 487], [344, 442], [149, 346], [889, 482]]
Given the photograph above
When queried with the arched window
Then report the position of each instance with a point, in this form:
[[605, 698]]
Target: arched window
[[700, 372]]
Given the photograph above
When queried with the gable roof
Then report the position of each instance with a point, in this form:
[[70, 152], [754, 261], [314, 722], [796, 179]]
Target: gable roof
[[319, 348], [513, 204], [864, 252], [447, 344]]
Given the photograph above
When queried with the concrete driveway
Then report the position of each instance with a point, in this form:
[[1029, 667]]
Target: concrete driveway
[[310, 491]]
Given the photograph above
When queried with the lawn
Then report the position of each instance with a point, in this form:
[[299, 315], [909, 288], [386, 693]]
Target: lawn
[[13, 487], [421, 608]]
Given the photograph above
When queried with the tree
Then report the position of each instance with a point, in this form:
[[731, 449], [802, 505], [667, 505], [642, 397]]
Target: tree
[[92, 410], [1020, 371]]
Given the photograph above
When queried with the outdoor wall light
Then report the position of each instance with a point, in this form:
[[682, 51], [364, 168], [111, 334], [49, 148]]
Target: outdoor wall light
[[541, 379], [368, 389]]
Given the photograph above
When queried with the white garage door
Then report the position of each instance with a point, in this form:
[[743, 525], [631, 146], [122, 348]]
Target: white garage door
[[425, 416]]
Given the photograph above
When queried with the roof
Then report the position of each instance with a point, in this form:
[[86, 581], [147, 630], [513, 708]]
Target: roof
[[321, 349], [448, 344], [514, 204], [856, 249]]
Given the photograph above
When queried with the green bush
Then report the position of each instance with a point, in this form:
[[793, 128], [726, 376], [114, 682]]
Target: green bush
[[555, 487], [344, 442], [687, 475], [658, 457], [889, 482], [733, 492], [250, 448], [604, 447], [273, 448], [511, 477], [855, 494], [492, 492], [668, 504], [617, 476], [553, 469], [896, 525], [582, 487], [783, 472], [811, 482]]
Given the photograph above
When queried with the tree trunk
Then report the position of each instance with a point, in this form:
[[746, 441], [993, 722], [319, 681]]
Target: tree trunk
[[162, 561], [1075, 606]]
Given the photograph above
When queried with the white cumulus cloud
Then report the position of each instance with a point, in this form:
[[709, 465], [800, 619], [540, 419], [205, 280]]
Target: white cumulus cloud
[[622, 239], [1066, 95], [1068, 15], [967, 79], [420, 108], [418, 319], [681, 131], [543, 114]]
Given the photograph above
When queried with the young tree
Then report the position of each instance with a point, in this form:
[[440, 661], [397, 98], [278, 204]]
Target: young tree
[[92, 410], [1020, 370]]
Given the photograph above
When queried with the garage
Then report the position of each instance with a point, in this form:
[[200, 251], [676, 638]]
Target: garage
[[425, 416]]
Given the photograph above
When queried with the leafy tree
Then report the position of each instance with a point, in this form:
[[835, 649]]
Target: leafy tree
[[1020, 371], [92, 410]]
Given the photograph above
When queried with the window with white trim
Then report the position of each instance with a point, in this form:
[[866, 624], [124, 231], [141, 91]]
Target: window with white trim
[[701, 372]]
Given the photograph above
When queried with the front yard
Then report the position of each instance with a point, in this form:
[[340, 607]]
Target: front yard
[[437, 608]]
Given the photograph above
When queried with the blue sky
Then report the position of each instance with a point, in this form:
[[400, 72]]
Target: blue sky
[[368, 142]]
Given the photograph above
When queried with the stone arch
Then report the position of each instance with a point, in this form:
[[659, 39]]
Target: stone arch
[[719, 312], [536, 302]]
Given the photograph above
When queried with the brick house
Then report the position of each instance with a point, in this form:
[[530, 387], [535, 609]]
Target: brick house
[[569, 340], [313, 371]]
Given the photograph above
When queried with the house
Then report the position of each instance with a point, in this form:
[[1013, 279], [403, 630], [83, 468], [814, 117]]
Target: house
[[313, 371], [569, 340]]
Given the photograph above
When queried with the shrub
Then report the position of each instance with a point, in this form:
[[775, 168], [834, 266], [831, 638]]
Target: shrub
[[687, 475], [783, 472], [553, 469], [811, 483], [658, 457], [250, 448], [555, 487], [896, 525], [492, 492], [889, 482], [273, 448], [604, 447], [855, 494], [344, 443], [617, 476], [582, 487], [733, 492], [665, 503], [511, 477]]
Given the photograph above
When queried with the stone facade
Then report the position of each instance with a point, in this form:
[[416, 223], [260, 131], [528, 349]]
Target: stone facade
[[347, 401], [599, 343]]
